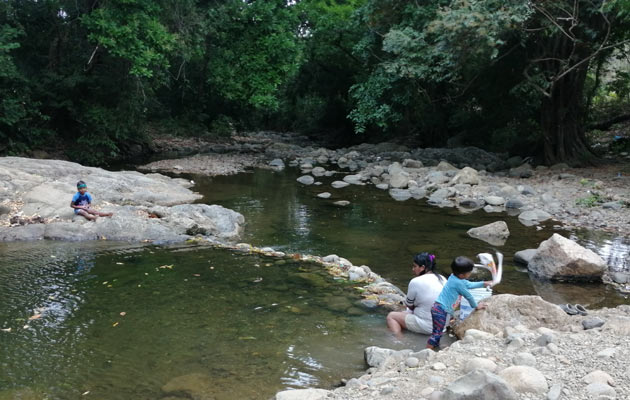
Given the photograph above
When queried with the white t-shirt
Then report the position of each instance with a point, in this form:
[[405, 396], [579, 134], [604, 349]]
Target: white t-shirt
[[422, 292]]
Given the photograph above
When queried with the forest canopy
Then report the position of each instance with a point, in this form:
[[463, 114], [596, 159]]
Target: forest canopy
[[520, 76]]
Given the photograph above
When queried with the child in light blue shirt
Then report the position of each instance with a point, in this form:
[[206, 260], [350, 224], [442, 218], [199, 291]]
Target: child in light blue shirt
[[456, 285], [82, 202]]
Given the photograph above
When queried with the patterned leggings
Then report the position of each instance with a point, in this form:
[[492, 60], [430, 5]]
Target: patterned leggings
[[439, 320]]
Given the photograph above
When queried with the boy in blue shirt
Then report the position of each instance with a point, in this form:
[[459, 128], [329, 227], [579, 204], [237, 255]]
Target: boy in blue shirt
[[81, 202], [456, 285]]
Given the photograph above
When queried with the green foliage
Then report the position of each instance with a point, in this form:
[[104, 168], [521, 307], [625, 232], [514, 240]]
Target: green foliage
[[592, 200], [131, 29]]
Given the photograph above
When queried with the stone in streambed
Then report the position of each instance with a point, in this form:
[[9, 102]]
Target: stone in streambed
[[495, 233], [599, 390], [524, 256], [306, 180], [562, 258], [592, 323], [494, 200], [341, 203], [339, 184], [479, 385], [277, 164], [400, 194], [324, 195], [533, 217], [525, 379]]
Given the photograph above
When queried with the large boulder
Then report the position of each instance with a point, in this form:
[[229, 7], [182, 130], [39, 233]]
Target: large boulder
[[559, 258], [495, 233], [510, 310], [479, 385], [466, 175]]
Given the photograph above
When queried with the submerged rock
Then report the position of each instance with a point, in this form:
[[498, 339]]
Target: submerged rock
[[495, 233]]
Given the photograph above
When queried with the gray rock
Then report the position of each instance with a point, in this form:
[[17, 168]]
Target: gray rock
[[306, 180], [341, 203], [613, 205], [412, 362], [492, 209], [382, 186], [479, 385], [494, 200], [545, 339], [526, 190], [398, 178], [562, 258], [480, 363], [514, 203], [318, 171], [324, 195], [409, 163], [555, 392], [437, 178], [400, 194], [471, 203], [592, 323], [353, 179], [525, 359], [277, 164], [339, 184], [466, 175], [566, 176], [445, 166], [599, 376], [524, 256], [606, 353], [514, 161], [495, 233], [559, 167], [525, 379], [620, 277], [303, 394], [523, 171], [533, 217], [599, 389], [417, 192]]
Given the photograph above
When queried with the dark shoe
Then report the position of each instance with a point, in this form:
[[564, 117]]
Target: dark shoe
[[580, 309], [569, 309]]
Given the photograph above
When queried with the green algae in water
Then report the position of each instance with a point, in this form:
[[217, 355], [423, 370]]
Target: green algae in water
[[146, 323]]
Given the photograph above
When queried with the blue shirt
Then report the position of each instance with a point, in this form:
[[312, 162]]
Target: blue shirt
[[81, 200], [453, 289]]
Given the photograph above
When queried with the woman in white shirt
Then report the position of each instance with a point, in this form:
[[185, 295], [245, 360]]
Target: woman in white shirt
[[422, 292]]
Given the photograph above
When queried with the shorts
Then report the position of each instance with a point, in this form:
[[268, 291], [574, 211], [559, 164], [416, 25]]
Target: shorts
[[418, 325]]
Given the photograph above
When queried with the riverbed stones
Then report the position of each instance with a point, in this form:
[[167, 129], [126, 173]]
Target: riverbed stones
[[400, 194], [494, 200], [306, 180], [303, 394], [466, 175], [599, 376], [277, 164], [479, 385], [525, 379], [353, 179], [324, 195], [495, 233], [592, 323], [339, 184], [523, 171], [480, 363], [600, 390], [533, 217], [562, 258], [375, 356], [526, 359], [318, 172], [382, 186]]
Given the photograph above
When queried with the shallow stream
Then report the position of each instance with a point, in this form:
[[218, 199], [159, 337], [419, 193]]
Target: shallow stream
[[114, 321]]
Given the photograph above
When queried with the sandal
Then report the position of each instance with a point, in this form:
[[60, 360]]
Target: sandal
[[580, 309], [569, 309]]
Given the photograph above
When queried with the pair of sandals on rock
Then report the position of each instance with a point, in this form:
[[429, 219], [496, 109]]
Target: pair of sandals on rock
[[571, 309]]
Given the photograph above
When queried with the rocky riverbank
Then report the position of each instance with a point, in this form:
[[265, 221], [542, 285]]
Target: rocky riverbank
[[531, 350], [466, 178], [35, 204]]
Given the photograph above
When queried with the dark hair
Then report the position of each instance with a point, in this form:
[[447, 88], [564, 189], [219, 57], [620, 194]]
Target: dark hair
[[81, 183], [461, 265], [428, 261]]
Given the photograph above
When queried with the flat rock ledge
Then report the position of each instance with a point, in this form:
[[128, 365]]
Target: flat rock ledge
[[516, 362], [35, 197]]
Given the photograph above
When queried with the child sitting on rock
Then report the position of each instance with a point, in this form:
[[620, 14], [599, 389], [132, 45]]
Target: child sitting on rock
[[456, 285], [81, 202]]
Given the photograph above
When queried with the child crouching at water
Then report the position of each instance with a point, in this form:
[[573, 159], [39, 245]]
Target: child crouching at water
[[456, 285]]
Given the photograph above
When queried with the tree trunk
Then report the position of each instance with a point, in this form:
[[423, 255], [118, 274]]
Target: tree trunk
[[562, 121]]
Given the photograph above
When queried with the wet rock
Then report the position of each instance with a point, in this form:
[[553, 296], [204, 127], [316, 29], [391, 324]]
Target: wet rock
[[382, 186], [514, 203], [506, 310], [324, 195], [339, 184], [277, 163], [524, 256], [342, 203], [494, 200], [417, 192], [492, 209], [318, 171], [400, 194], [525, 379], [471, 203], [562, 258], [559, 167], [620, 277], [303, 394], [306, 180], [353, 179], [479, 385], [532, 217], [495, 233]]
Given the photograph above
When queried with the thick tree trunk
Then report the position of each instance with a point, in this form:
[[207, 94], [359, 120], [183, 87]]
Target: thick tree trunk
[[562, 121]]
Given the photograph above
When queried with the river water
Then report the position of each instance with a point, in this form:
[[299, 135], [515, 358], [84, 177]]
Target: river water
[[114, 321]]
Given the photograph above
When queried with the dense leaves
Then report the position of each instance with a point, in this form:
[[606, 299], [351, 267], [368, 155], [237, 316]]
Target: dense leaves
[[92, 77]]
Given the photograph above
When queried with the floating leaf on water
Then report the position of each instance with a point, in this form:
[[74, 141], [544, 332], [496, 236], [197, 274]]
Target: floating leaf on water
[[6, 330], [139, 285], [85, 393], [196, 274], [115, 324], [258, 280], [246, 338], [211, 267], [118, 263], [257, 308], [26, 327], [268, 264], [110, 286], [105, 283], [36, 316], [146, 273], [166, 266]]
